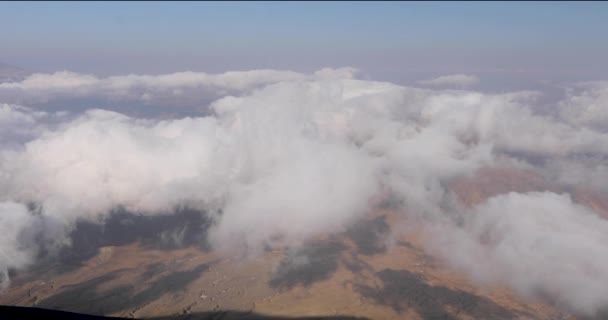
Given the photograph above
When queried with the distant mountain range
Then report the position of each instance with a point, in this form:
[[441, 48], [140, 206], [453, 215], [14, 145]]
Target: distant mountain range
[[10, 73]]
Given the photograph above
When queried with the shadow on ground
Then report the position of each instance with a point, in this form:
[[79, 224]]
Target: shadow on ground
[[18, 313], [183, 228], [368, 235], [316, 261], [402, 290], [86, 297]]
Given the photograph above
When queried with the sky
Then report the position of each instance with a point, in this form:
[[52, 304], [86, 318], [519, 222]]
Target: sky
[[386, 40]]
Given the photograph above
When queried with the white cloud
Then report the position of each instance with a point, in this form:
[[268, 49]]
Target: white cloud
[[587, 105], [294, 156], [14, 253], [452, 80], [539, 243], [19, 124], [42, 87]]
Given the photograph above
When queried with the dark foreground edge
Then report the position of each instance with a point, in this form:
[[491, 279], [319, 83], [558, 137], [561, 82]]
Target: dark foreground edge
[[19, 313]]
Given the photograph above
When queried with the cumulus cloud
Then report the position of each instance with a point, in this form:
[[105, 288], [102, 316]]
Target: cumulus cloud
[[586, 105], [539, 243], [19, 124], [14, 218], [294, 156], [452, 80], [16, 118]]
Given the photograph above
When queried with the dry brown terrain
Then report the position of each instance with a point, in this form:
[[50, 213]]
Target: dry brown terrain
[[356, 273]]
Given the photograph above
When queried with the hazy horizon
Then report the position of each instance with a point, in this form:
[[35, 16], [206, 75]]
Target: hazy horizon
[[388, 40]]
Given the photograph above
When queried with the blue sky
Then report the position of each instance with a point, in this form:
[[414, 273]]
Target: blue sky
[[387, 39]]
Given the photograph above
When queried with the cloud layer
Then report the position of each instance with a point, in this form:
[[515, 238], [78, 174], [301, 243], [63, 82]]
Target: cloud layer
[[452, 80], [168, 88], [293, 156]]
